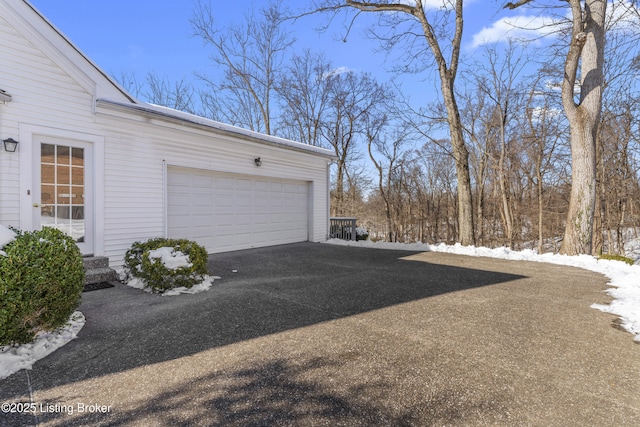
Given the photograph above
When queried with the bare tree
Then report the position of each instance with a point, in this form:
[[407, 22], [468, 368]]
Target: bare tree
[[250, 55], [304, 93], [616, 165], [543, 132], [179, 95], [583, 68], [130, 82], [385, 147], [353, 99], [497, 78], [435, 28]]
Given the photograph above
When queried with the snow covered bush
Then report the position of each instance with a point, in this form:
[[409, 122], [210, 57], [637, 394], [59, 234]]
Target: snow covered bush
[[41, 281], [165, 264], [361, 233]]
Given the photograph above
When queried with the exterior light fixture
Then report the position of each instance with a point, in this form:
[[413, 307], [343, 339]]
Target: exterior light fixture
[[10, 145], [257, 161], [4, 96]]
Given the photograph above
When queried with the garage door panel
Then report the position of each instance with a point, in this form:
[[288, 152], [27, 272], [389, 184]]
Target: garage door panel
[[261, 185], [180, 201], [244, 220], [224, 182], [201, 180], [228, 212], [178, 178], [201, 220], [244, 184], [223, 202], [275, 187], [244, 201]]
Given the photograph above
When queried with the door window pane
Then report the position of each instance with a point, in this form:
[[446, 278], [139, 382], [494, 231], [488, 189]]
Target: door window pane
[[77, 156], [48, 174], [47, 152], [77, 176], [47, 195], [63, 175], [62, 155], [62, 189]]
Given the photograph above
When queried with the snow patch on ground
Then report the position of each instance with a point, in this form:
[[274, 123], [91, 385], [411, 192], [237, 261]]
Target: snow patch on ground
[[138, 283], [624, 278], [14, 358], [6, 236]]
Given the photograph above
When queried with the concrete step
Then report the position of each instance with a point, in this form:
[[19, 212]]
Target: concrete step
[[91, 262], [96, 270], [97, 275]]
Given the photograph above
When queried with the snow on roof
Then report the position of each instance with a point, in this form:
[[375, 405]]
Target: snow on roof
[[170, 113]]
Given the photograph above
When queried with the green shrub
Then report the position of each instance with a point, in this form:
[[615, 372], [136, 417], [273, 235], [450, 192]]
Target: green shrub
[[41, 281], [616, 258], [161, 277]]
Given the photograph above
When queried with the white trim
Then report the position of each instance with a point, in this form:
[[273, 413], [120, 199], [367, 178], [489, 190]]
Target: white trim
[[27, 141], [165, 198], [310, 209]]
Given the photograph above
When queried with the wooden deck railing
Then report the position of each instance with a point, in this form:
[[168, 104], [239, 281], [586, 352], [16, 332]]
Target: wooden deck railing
[[342, 228]]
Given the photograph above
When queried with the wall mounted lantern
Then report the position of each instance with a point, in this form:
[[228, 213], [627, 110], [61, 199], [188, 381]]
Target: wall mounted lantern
[[257, 161], [4, 96], [10, 145]]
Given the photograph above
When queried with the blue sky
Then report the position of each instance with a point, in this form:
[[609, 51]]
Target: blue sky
[[140, 36]]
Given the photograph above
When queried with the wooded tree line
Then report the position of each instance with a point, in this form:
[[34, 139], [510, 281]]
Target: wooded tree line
[[527, 147]]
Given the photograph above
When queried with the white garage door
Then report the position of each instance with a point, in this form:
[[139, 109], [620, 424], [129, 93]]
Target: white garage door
[[225, 212]]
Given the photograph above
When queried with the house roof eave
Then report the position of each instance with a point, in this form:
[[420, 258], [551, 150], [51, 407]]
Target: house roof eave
[[180, 117]]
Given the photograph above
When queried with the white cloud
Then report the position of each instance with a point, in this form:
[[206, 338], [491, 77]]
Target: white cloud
[[623, 13], [337, 71], [520, 27]]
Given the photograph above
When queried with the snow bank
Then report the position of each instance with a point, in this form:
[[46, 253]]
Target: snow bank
[[12, 359], [624, 278], [6, 236], [138, 283]]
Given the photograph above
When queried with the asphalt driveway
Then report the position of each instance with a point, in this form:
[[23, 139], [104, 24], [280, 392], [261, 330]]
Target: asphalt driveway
[[315, 334]]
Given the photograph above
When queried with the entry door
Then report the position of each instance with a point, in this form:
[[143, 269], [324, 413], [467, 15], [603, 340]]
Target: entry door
[[64, 198]]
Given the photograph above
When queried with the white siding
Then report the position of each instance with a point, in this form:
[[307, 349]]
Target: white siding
[[42, 93]]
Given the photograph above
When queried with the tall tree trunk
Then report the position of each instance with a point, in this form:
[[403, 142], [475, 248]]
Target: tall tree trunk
[[447, 73], [540, 189], [587, 49], [466, 234], [507, 212]]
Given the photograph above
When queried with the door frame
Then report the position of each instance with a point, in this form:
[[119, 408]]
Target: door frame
[[31, 136]]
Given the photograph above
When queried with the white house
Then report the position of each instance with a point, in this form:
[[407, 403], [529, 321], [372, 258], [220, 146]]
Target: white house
[[110, 170]]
